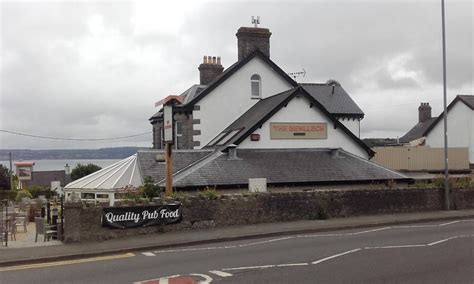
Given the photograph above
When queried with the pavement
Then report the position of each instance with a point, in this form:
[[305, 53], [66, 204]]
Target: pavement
[[28, 255]]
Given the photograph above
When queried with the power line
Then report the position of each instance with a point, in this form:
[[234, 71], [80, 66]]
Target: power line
[[73, 139]]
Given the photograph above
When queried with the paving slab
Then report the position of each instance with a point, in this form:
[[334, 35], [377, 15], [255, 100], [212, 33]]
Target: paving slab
[[24, 255]]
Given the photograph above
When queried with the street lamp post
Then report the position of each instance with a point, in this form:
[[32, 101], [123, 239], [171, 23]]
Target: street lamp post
[[446, 172]]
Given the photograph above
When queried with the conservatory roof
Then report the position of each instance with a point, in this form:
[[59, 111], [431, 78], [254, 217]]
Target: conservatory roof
[[116, 176]]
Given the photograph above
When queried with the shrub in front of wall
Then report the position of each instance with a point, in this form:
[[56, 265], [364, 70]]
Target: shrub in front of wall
[[22, 193], [150, 189], [209, 193]]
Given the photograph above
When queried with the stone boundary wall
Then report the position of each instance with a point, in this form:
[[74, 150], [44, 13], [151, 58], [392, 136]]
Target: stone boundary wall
[[83, 223]]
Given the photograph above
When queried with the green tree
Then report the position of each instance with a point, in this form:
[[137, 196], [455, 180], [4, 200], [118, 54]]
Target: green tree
[[83, 170], [150, 189], [4, 178]]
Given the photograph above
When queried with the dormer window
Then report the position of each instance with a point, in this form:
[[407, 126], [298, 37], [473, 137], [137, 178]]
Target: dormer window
[[256, 86]]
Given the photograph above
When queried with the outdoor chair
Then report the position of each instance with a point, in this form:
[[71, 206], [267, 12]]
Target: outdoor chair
[[43, 229], [3, 228], [21, 222]]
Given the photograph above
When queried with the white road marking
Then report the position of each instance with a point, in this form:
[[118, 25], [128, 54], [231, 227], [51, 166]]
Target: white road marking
[[336, 255], [249, 267], [392, 247], [193, 249], [207, 278], [220, 273], [449, 223], [265, 242], [344, 234], [308, 236], [371, 231], [414, 226], [442, 241], [432, 226], [148, 254], [319, 235], [161, 280], [292, 264]]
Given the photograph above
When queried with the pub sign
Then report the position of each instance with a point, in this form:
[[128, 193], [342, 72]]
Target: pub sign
[[141, 216], [298, 130]]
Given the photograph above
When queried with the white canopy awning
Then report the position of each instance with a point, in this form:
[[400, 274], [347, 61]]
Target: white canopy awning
[[114, 177]]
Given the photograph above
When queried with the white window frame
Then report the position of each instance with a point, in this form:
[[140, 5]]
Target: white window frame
[[255, 78], [176, 134]]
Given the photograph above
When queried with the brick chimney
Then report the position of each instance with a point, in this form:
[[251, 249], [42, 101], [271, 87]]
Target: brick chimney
[[249, 39], [424, 112], [209, 69]]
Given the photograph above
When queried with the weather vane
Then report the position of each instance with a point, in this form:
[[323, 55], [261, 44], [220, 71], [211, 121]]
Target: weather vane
[[297, 74], [256, 21]]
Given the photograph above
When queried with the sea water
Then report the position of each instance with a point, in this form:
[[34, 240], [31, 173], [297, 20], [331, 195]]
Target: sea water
[[57, 165]]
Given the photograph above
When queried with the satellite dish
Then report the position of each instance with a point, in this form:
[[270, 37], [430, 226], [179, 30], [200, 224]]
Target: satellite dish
[[332, 82]]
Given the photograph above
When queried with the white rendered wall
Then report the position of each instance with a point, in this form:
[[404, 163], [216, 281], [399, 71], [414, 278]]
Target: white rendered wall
[[298, 110], [352, 124], [232, 98], [460, 130]]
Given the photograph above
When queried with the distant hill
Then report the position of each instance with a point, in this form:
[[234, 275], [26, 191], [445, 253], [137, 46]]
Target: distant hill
[[63, 154]]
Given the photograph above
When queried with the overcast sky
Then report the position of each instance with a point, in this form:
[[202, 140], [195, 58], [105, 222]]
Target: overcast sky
[[90, 69]]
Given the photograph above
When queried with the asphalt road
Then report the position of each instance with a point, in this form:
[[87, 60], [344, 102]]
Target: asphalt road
[[441, 252]]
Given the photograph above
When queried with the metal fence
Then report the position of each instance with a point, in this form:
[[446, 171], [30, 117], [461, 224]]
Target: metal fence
[[3, 222]]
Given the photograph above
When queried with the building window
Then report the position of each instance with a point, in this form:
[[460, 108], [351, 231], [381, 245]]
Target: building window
[[178, 134], [256, 86]]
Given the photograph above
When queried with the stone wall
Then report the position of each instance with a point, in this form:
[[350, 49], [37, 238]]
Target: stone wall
[[84, 223]]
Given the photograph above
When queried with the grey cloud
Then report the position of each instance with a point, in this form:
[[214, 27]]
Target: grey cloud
[[48, 87], [385, 81]]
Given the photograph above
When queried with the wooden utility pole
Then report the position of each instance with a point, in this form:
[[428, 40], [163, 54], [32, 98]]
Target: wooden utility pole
[[169, 168], [168, 138]]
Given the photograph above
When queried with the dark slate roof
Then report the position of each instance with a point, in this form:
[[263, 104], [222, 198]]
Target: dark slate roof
[[284, 166], [422, 129], [467, 100], [417, 131], [338, 103], [181, 159], [187, 96], [266, 108], [192, 92], [256, 115], [44, 178], [234, 68]]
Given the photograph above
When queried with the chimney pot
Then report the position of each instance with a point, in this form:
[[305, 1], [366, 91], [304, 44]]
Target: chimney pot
[[232, 148], [209, 69]]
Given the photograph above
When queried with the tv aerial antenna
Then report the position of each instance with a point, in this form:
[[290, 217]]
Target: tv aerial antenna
[[256, 21], [297, 74]]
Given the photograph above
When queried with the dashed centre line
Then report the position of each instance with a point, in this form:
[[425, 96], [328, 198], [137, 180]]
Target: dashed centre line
[[304, 236], [224, 272]]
